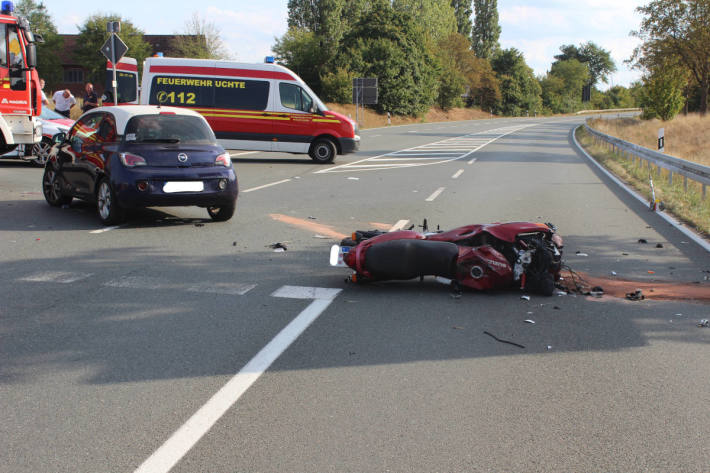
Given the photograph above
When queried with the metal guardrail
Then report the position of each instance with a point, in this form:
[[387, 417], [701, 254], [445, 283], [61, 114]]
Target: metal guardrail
[[608, 110], [687, 169]]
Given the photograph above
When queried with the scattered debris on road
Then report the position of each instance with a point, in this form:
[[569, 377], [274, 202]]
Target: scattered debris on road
[[525, 298], [637, 295], [503, 341], [704, 323], [643, 240], [529, 321], [278, 247]]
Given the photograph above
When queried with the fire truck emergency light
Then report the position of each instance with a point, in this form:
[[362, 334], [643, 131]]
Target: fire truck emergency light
[[7, 7], [269, 59]]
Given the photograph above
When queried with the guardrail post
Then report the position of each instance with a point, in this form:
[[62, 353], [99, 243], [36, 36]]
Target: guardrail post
[[670, 177]]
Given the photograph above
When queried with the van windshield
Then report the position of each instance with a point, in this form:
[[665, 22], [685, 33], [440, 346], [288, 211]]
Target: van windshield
[[166, 128]]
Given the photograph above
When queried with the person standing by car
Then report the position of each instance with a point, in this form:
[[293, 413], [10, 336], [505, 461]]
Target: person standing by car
[[45, 100], [63, 102], [91, 100]]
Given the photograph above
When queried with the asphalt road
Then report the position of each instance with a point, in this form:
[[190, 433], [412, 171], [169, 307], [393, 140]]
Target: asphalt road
[[114, 343]]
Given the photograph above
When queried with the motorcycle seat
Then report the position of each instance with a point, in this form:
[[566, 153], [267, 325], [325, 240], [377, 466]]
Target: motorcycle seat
[[407, 259]]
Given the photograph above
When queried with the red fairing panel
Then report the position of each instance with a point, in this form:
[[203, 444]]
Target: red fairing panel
[[483, 268], [502, 231]]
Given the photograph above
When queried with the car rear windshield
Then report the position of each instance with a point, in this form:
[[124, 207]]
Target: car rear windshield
[[168, 128]]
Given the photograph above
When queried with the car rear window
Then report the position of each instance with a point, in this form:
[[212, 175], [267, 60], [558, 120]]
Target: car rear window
[[167, 128]]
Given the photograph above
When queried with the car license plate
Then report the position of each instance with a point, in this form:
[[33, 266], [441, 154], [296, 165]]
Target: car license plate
[[183, 186]]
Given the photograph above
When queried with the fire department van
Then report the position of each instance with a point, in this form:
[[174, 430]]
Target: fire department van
[[264, 107], [126, 79]]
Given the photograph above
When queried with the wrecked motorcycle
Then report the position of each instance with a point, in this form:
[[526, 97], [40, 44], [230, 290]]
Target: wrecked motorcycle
[[482, 257]]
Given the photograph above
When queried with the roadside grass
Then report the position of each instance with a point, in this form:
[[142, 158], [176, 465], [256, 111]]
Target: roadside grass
[[686, 137], [686, 203], [372, 119]]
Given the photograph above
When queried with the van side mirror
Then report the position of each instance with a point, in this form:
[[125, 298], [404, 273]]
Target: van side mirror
[[59, 138]]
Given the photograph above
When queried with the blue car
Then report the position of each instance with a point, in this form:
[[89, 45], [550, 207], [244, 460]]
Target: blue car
[[140, 156]]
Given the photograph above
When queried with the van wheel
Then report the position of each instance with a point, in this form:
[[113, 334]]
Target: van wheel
[[323, 151]]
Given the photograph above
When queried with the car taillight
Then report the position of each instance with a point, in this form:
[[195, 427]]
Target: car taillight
[[223, 160], [131, 160]]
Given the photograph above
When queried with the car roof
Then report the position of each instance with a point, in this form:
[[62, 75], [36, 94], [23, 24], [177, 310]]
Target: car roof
[[123, 113]]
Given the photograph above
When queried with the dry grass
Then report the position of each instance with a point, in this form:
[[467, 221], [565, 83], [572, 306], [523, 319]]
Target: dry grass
[[373, 119], [686, 203], [686, 137]]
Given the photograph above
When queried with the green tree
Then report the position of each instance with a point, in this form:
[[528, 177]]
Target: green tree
[[436, 17], [92, 35], [389, 44], [299, 50], [562, 87], [480, 81], [663, 93], [676, 32], [200, 39], [463, 11], [486, 29], [49, 65], [337, 86], [597, 59], [520, 90]]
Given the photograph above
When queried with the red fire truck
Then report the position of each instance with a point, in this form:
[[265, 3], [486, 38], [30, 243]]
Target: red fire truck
[[20, 93]]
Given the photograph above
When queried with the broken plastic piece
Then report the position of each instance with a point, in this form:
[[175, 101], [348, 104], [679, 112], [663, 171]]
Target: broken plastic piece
[[637, 295], [596, 291], [704, 323], [527, 298], [529, 321], [659, 245], [643, 240], [278, 247], [579, 253], [613, 273]]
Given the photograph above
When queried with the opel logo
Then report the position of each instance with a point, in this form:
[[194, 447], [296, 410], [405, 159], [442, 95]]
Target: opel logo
[[182, 157]]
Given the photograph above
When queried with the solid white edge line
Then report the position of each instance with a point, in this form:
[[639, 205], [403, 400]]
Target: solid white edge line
[[458, 173], [675, 223], [170, 453], [435, 194], [265, 186], [398, 226]]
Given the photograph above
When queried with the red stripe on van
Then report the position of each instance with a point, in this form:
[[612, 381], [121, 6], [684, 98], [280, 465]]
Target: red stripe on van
[[122, 66], [218, 71]]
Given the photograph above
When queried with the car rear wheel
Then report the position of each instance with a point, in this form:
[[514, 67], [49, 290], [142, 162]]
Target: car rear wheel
[[52, 187], [221, 214], [323, 151], [110, 212], [41, 151]]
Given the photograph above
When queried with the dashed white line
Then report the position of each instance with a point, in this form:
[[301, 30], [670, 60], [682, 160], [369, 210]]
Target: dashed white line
[[472, 161], [399, 225], [435, 194], [167, 456], [61, 277], [458, 173], [265, 186]]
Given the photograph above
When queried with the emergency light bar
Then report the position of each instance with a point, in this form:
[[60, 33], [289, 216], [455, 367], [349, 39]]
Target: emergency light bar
[[7, 7], [269, 59]]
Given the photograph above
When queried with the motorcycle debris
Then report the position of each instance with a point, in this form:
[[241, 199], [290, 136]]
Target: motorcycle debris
[[529, 321], [234, 243], [278, 247], [637, 295], [526, 298], [503, 341], [579, 253], [613, 273], [549, 347], [643, 240], [310, 217], [596, 291], [659, 245], [322, 237], [561, 293], [704, 323]]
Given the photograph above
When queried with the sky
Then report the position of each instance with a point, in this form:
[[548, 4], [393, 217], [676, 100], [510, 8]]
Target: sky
[[536, 27]]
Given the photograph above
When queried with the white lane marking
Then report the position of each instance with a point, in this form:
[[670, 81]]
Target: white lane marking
[[472, 161], [435, 194], [399, 225], [458, 173], [265, 186], [242, 153], [105, 229], [375, 136], [222, 288], [185, 437], [61, 277], [152, 283], [451, 149]]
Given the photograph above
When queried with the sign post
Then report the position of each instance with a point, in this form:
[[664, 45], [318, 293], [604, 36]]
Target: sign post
[[661, 140], [114, 49], [364, 93]]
